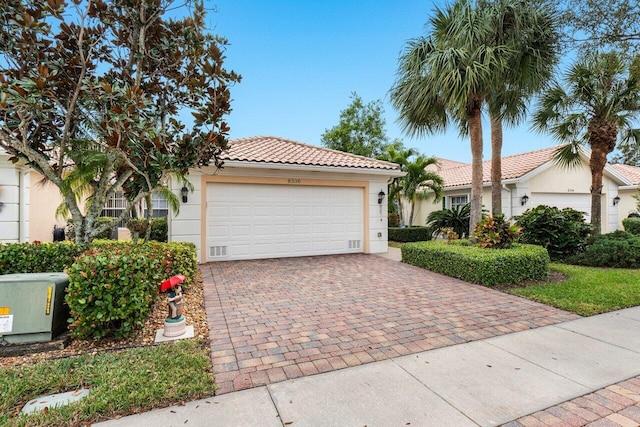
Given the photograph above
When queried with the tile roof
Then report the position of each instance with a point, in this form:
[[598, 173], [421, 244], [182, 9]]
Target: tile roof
[[631, 172], [271, 149], [456, 173]]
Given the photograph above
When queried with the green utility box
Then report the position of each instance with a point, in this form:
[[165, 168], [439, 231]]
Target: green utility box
[[32, 306]]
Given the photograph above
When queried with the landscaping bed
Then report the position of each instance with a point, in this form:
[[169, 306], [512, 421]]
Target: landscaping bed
[[125, 375]]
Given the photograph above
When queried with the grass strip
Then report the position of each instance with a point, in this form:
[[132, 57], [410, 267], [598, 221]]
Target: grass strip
[[587, 290], [121, 382]]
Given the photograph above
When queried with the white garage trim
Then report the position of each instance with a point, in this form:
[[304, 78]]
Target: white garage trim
[[362, 186]]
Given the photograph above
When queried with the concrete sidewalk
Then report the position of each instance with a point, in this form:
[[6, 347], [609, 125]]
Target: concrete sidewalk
[[488, 382]]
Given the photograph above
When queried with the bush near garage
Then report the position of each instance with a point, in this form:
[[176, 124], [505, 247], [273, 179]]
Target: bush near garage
[[37, 257], [111, 289], [631, 225], [159, 229], [562, 232], [619, 249], [393, 220], [409, 234], [489, 267]]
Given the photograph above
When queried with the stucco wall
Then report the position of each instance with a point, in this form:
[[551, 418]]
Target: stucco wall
[[45, 199], [188, 225]]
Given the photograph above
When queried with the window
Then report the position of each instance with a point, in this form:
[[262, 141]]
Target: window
[[117, 203], [160, 206], [458, 201]]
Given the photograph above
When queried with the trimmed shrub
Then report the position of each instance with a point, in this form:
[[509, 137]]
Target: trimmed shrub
[[631, 225], [393, 220], [113, 285], [111, 289], [182, 258], [494, 232], [409, 234], [619, 249], [479, 265], [562, 232], [38, 257], [159, 229]]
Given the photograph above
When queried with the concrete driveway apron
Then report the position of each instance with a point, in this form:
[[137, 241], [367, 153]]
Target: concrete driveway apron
[[278, 319]]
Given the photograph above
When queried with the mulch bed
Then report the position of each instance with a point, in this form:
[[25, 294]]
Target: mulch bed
[[194, 311]]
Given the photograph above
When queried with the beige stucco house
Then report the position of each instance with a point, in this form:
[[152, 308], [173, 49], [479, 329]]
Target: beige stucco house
[[533, 178], [273, 198]]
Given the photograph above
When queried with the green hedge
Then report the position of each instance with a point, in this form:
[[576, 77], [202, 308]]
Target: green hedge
[[37, 257], [619, 249], [409, 234], [159, 229], [631, 225], [474, 264], [111, 289]]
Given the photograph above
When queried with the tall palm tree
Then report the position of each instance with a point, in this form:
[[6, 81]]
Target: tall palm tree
[[446, 77], [598, 105], [419, 183], [532, 31]]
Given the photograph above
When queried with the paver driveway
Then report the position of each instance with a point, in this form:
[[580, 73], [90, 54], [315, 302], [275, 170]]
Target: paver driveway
[[277, 319]]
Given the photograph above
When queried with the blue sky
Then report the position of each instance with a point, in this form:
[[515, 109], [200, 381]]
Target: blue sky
[[301, 59]]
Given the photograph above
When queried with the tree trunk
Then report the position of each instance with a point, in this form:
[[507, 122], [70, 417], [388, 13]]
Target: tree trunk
[[475, 133], [602, 139], [496, 166], [413, 205]]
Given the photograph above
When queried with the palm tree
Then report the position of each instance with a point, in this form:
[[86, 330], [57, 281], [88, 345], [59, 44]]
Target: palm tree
[[396, 153], [447, 76], [599, 103], [419, 183], [456, 218], [532, 31]]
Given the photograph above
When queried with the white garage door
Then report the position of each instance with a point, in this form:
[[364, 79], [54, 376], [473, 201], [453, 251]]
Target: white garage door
[[579, 202], [249, 221]]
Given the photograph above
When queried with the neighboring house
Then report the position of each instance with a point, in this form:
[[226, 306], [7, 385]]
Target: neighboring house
[[15, 182], [273, 198], [533, 178], [280, 198]]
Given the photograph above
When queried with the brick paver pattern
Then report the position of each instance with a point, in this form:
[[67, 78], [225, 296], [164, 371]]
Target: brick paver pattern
[[278, 319], [615, 406]]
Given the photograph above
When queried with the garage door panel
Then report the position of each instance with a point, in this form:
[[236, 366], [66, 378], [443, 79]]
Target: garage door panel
[[264, 221], [579, 202]]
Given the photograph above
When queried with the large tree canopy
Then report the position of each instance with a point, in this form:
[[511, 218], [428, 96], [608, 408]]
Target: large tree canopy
[[604, 24], [92, 95], [360, 129]]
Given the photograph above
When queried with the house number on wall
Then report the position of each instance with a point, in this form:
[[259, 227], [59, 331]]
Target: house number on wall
[[294, 181]]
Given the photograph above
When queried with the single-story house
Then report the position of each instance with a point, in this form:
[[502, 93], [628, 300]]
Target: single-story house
[[273, 198], [280, 198], [534, 178]]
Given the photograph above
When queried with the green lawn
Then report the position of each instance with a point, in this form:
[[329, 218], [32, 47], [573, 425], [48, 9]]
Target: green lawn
[[121, 382], [395, 244], [587, 291]]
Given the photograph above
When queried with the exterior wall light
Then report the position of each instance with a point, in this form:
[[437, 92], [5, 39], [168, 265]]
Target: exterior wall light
[[184, 191], [524, 200], [616, 200], [380, 197]]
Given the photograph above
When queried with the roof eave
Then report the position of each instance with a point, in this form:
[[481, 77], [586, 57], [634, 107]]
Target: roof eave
[[315, 168]]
